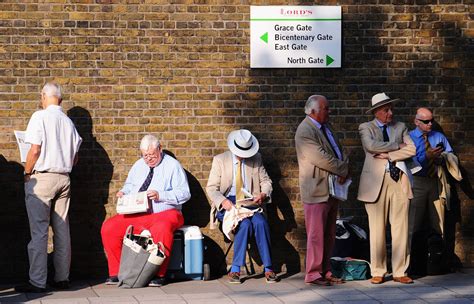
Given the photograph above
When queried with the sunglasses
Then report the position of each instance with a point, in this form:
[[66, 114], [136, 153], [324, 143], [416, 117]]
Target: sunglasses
[[426, 121]]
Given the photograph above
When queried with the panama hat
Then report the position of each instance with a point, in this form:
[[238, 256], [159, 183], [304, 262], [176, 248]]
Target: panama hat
[[242, 143], [379, 100]]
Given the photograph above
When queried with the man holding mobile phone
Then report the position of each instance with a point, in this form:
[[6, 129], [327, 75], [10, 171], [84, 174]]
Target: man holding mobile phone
[[429, 146]]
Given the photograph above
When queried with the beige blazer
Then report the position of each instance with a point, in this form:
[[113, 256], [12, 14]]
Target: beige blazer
[[316, 160], [221, 178], [373, 171]]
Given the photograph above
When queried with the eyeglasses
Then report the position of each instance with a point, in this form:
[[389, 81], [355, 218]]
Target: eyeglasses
[[426, 121], [150, 156]]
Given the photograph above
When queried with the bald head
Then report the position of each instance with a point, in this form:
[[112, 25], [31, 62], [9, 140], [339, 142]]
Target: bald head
[[424, 120]]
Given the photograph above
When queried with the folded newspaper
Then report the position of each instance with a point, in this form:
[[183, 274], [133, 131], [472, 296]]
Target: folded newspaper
[[132, 203], [22, 145], [338, 191], [247, 201]]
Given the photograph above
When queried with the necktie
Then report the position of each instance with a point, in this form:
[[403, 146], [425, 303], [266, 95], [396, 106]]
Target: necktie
[[323, 129], [147, 181], [394, 171], [430, 168], [239, 182]]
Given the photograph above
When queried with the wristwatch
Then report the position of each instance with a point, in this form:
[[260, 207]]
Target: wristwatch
[[26, 173]]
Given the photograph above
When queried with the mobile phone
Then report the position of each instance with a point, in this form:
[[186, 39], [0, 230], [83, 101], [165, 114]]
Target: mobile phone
[[440, 144]]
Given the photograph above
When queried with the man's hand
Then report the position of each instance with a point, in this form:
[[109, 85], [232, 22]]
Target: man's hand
[[120, 194], [153, 195], [341, 180], [402, 145], [381, 156], [226, 204], [259, 199], [434, 153]]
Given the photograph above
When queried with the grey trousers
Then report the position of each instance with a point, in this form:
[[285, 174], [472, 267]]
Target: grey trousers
[[47, 198]]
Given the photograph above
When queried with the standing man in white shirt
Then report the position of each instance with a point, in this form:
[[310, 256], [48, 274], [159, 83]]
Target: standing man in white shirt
[[54, 148]]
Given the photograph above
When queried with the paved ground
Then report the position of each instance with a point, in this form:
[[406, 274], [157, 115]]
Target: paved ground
[[451, 288]]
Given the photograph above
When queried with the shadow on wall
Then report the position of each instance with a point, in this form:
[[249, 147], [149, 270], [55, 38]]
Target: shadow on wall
[[283, 252], [196, 210], [13, 222], [90, 180]]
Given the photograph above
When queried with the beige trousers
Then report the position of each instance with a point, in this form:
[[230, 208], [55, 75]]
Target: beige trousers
[[47, 201], [426, 199], [392, 205]]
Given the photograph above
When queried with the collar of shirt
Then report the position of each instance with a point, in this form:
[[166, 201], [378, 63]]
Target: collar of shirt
[[53, 107], [418, 133], [315, 122], [379, 124]]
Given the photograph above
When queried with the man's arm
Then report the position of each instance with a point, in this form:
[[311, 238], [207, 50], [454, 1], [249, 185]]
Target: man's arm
[[373, 145], [31, 159], [179, 192], [314, 153], [406, 151], [213, 186]]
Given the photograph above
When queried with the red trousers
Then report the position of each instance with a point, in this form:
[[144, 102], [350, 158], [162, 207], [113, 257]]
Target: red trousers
[[320, 222], [161, 225]]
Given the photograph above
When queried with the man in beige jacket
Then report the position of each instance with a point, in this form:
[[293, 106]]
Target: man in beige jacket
[[385, 188], [319, 154], [235, 175]]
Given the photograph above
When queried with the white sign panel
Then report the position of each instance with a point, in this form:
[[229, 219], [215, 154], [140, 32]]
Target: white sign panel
[[295, 36]]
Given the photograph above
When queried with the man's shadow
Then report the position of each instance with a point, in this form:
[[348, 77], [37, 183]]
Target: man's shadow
[[283, 252], [13, 223], [90, 180]]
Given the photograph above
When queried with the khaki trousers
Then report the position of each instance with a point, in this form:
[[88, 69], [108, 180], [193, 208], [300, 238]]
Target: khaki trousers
[[43, 192], [392, 205], [426, 199]]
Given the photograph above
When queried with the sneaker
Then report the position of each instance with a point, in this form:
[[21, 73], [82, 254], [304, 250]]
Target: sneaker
[[61, 285], [112, 280], [30, 288], [271, 277], [157, 282], [234, 277]]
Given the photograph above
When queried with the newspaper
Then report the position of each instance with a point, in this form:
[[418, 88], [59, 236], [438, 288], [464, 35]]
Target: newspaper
[[247, 201], [338, 191], [132, 203], [22, 145]]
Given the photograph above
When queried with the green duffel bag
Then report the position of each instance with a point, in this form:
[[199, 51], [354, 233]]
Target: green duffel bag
[[350, 269]]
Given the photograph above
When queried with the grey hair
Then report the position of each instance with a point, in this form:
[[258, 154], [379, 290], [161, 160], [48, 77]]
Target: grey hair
[[52, 89], [149, 141], [313, 103]]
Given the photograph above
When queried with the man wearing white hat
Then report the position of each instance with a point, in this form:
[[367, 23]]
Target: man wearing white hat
[[235, 174], [385, 188]]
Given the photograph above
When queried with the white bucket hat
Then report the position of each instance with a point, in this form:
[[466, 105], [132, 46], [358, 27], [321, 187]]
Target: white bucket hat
[[379, 100], [242, 143]]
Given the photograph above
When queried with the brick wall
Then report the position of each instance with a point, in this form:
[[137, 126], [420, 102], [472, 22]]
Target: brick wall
[[181, 71]]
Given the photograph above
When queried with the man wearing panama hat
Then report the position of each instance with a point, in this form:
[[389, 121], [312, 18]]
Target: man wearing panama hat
[[385, 187], [235, 175]]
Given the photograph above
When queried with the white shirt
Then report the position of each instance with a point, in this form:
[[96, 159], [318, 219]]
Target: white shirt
[[55, 133]]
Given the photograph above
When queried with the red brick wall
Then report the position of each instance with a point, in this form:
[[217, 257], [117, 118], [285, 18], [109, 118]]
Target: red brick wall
[[181, 71]]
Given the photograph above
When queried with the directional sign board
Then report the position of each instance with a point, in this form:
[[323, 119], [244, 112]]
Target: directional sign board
[[295, 36]]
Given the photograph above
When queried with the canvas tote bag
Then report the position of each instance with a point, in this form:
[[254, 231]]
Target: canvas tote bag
[[140, 259]]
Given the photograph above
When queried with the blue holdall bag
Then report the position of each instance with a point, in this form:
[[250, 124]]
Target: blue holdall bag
[[350, 269]]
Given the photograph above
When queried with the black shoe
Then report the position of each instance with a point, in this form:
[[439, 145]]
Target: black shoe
[[112, 280], [28, 287], [157, 282], [61, 285]]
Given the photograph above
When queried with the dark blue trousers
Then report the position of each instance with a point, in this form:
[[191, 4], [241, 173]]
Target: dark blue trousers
[[256, 225]]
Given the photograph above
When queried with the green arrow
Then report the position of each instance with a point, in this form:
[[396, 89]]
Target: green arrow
[[329, 60], [264, 37]]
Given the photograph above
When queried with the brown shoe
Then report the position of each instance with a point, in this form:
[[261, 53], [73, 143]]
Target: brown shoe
[[377, 280], [320, 282], [234, 277], [403, 280], [334, 280]]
